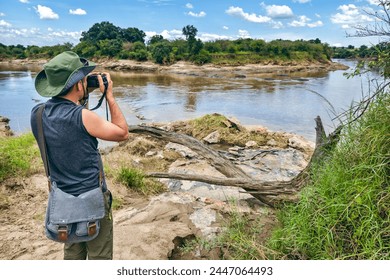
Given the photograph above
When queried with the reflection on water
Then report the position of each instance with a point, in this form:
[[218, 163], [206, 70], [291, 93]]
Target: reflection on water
[[280, 102]]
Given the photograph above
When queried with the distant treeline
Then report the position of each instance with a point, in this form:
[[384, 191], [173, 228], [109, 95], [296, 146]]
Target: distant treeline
[[105, 40]]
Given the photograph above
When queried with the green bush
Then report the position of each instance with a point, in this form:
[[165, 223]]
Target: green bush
[[202, 57]]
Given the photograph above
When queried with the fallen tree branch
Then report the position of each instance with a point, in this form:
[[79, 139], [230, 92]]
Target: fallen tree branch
[[268, 192], [223, 165], [257, 186]]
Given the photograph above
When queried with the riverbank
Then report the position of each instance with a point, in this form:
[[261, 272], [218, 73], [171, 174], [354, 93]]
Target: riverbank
[[190, 69], [160, 224]]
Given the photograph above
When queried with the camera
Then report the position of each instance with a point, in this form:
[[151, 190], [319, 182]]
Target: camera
[[93, 82]]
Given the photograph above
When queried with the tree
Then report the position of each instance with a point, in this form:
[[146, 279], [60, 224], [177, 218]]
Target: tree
[[380, 28], [101, 31], [155, 39], [132, 35], [161, 52], [190, 32], [110, 48], [85, 49], [193, 45]]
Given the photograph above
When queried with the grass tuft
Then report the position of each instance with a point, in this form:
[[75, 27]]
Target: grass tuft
[[344, 213], [18, 156], [137, 181]]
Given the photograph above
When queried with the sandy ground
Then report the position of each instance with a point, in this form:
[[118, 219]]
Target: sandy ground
[[144, 228]]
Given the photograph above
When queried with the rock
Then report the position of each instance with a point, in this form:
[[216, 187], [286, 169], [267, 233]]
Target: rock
[[232, 122], [5, 129], [213, 138], [272, 143], [251, 144], [150, 154], [158, 224], [182, 150], [203, 219], [301, 144], [272, 165]]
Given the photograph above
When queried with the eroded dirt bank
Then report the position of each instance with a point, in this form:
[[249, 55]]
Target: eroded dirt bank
[[189, 69]]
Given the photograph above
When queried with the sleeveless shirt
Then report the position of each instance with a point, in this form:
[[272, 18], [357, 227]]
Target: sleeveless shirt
[[73, 154]]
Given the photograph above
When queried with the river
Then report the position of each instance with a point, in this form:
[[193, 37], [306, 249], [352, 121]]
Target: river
[[281, 102]]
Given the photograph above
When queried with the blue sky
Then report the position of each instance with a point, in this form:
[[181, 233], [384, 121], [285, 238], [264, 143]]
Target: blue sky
[[42, 22]]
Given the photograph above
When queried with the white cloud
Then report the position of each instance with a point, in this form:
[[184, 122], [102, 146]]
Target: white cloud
[[2, 15], [225, 27], [243, 34], [34, 36], [73, 35], [276, 11], [24, 1], [337, 45], [78, 11], [46, 12], [189, 6], [373, 2], [167, 34], [302, 1], [178, 34], [238, 12], [350, 16], [301, 22], [206, 37], [277, 24], [304, 21], [201, 14], [4, 23], [315, 24]]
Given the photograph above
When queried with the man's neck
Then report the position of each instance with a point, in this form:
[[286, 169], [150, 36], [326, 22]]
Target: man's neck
[[71, 97]]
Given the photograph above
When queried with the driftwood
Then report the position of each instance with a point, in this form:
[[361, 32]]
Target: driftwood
[[268, 192]]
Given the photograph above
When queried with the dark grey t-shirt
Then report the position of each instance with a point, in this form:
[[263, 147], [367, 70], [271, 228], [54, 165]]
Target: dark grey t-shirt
[[73, 153]]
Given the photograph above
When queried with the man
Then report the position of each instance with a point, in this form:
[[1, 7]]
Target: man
[[71, 133]]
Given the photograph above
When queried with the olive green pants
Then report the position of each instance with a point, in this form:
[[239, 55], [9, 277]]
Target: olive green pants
[[100, 248]]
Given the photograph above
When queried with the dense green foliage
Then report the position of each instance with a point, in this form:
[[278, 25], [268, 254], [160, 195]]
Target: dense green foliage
[[104, 40], [344, 213], [17, 156]]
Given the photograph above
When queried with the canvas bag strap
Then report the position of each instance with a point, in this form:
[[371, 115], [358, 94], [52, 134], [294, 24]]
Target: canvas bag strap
[[42, 143], [43, 149], [100, 172]]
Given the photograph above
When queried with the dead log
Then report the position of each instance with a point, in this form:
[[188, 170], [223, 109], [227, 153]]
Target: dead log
[[268, 192], [223, 165]]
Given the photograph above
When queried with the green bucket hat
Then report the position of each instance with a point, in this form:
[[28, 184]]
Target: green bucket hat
[[61, 73]]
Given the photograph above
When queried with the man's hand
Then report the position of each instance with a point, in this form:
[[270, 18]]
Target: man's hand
[[117, 129]]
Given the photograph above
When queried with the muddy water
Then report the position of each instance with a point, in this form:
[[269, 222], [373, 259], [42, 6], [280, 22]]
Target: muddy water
[[279, 102]]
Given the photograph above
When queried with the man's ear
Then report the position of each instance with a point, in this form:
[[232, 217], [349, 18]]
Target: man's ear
[[79, 85]]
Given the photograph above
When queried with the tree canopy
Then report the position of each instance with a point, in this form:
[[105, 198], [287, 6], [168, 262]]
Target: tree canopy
[[104, 39]]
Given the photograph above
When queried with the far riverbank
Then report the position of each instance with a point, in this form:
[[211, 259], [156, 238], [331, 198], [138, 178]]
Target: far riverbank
[[190, 69]]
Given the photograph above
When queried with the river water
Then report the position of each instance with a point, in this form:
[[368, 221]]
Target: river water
[[280, 102]]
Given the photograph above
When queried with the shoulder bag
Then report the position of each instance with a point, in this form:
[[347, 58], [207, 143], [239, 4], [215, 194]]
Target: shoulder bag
[[70, 219]]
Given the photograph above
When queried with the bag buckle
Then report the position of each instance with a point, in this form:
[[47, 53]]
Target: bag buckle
[[63, 233], [92, 228]]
